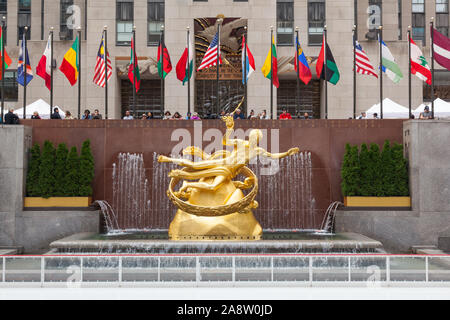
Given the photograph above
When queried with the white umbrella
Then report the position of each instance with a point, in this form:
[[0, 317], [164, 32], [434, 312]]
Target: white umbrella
[[39, 106], [391, 110]]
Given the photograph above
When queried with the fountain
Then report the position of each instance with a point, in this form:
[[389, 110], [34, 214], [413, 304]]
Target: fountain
[[215, 208]]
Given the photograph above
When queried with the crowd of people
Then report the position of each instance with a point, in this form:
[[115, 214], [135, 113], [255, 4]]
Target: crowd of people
[[12, 118]]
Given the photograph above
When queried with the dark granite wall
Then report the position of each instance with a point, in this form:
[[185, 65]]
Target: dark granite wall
[[325, 139]]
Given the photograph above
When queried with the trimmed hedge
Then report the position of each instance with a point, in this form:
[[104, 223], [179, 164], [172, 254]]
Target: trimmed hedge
[[60, 173], [370, 173]]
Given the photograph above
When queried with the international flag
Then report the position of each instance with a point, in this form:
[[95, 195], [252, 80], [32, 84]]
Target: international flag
[[24, 71], [44, 68], [362, 62], [305, 72], [6, 60], [271, 63], [390, 67], [185, 67], [419, 65], [133, 69], [250, 66], [441, 45], [70, 65], [210, 58], [331, 74], [163, 68], [99, 72]]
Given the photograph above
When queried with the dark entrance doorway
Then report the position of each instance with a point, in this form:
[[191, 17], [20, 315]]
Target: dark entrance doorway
[[209, 101], [308, 97], [148, 99]]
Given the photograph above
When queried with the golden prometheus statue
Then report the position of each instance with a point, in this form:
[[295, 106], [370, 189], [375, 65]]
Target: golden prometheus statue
[[212, 206]]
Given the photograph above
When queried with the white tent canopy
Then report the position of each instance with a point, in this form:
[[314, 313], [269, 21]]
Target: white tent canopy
[[441, 109], [391, 110], [39, 106]]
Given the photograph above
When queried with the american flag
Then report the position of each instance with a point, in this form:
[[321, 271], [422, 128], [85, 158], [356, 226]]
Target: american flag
[[99, 73], [363, 65], [210, 58]]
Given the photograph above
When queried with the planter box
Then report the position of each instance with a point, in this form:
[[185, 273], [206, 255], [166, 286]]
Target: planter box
[[56, 202], [378, 202]]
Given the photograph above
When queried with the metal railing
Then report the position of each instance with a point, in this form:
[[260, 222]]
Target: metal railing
[[224, 270]]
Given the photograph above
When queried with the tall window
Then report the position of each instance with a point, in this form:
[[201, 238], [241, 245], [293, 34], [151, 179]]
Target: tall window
[[285, 22], [418, 20], [316, 21], [24, 18], [400, 24], [124, 22], [442, 24], [4, 13], [155, 17], [11, 86], [65, 31], [375, 18]]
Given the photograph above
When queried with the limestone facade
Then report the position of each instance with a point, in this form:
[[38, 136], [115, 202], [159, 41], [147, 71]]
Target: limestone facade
[[179, 14]]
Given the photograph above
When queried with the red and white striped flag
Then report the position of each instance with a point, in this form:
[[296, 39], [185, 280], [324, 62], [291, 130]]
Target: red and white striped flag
[[363, 65], [210, 58], [99, 73]]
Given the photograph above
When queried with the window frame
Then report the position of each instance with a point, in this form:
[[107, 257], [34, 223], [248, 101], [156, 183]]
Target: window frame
[[121, 43], [63, 19], [21, 11], [157, 23], [288, 22], [318, 22]]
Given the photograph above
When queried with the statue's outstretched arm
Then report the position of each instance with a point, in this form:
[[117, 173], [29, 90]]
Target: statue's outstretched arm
[[264, 153]]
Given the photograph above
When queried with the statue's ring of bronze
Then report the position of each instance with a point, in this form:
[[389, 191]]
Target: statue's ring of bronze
[[242, 206]]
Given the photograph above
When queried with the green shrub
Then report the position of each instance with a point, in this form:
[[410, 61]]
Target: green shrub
[[86, 170], [60, 169], [375, 174], [365, 188], [72, 176], [401, 185], [46, 185], [351, 179], [376, 169], [33, 172]]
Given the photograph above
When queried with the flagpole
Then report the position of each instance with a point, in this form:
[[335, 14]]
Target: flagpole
[[51, 71], [432, 67], [134, 71], [354, 71], [298, 71], [245, 67], [380, 33], [24, 66], [218, 67], [271, 70], [409, 78], [326, 71], [189, 68], [105, 59], [79, 72], [161, 47], [3, 68]]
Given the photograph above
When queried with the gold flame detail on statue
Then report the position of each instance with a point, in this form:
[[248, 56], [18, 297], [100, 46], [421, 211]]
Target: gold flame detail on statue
[[212, 206]]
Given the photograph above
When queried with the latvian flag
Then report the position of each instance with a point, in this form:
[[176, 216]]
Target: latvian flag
[[441, 46], [210, 58], [99, 72], [419, 65], [44, 68], [362, 62]]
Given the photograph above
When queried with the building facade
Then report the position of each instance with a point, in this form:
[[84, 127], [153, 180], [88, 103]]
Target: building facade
[[148, 16]]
